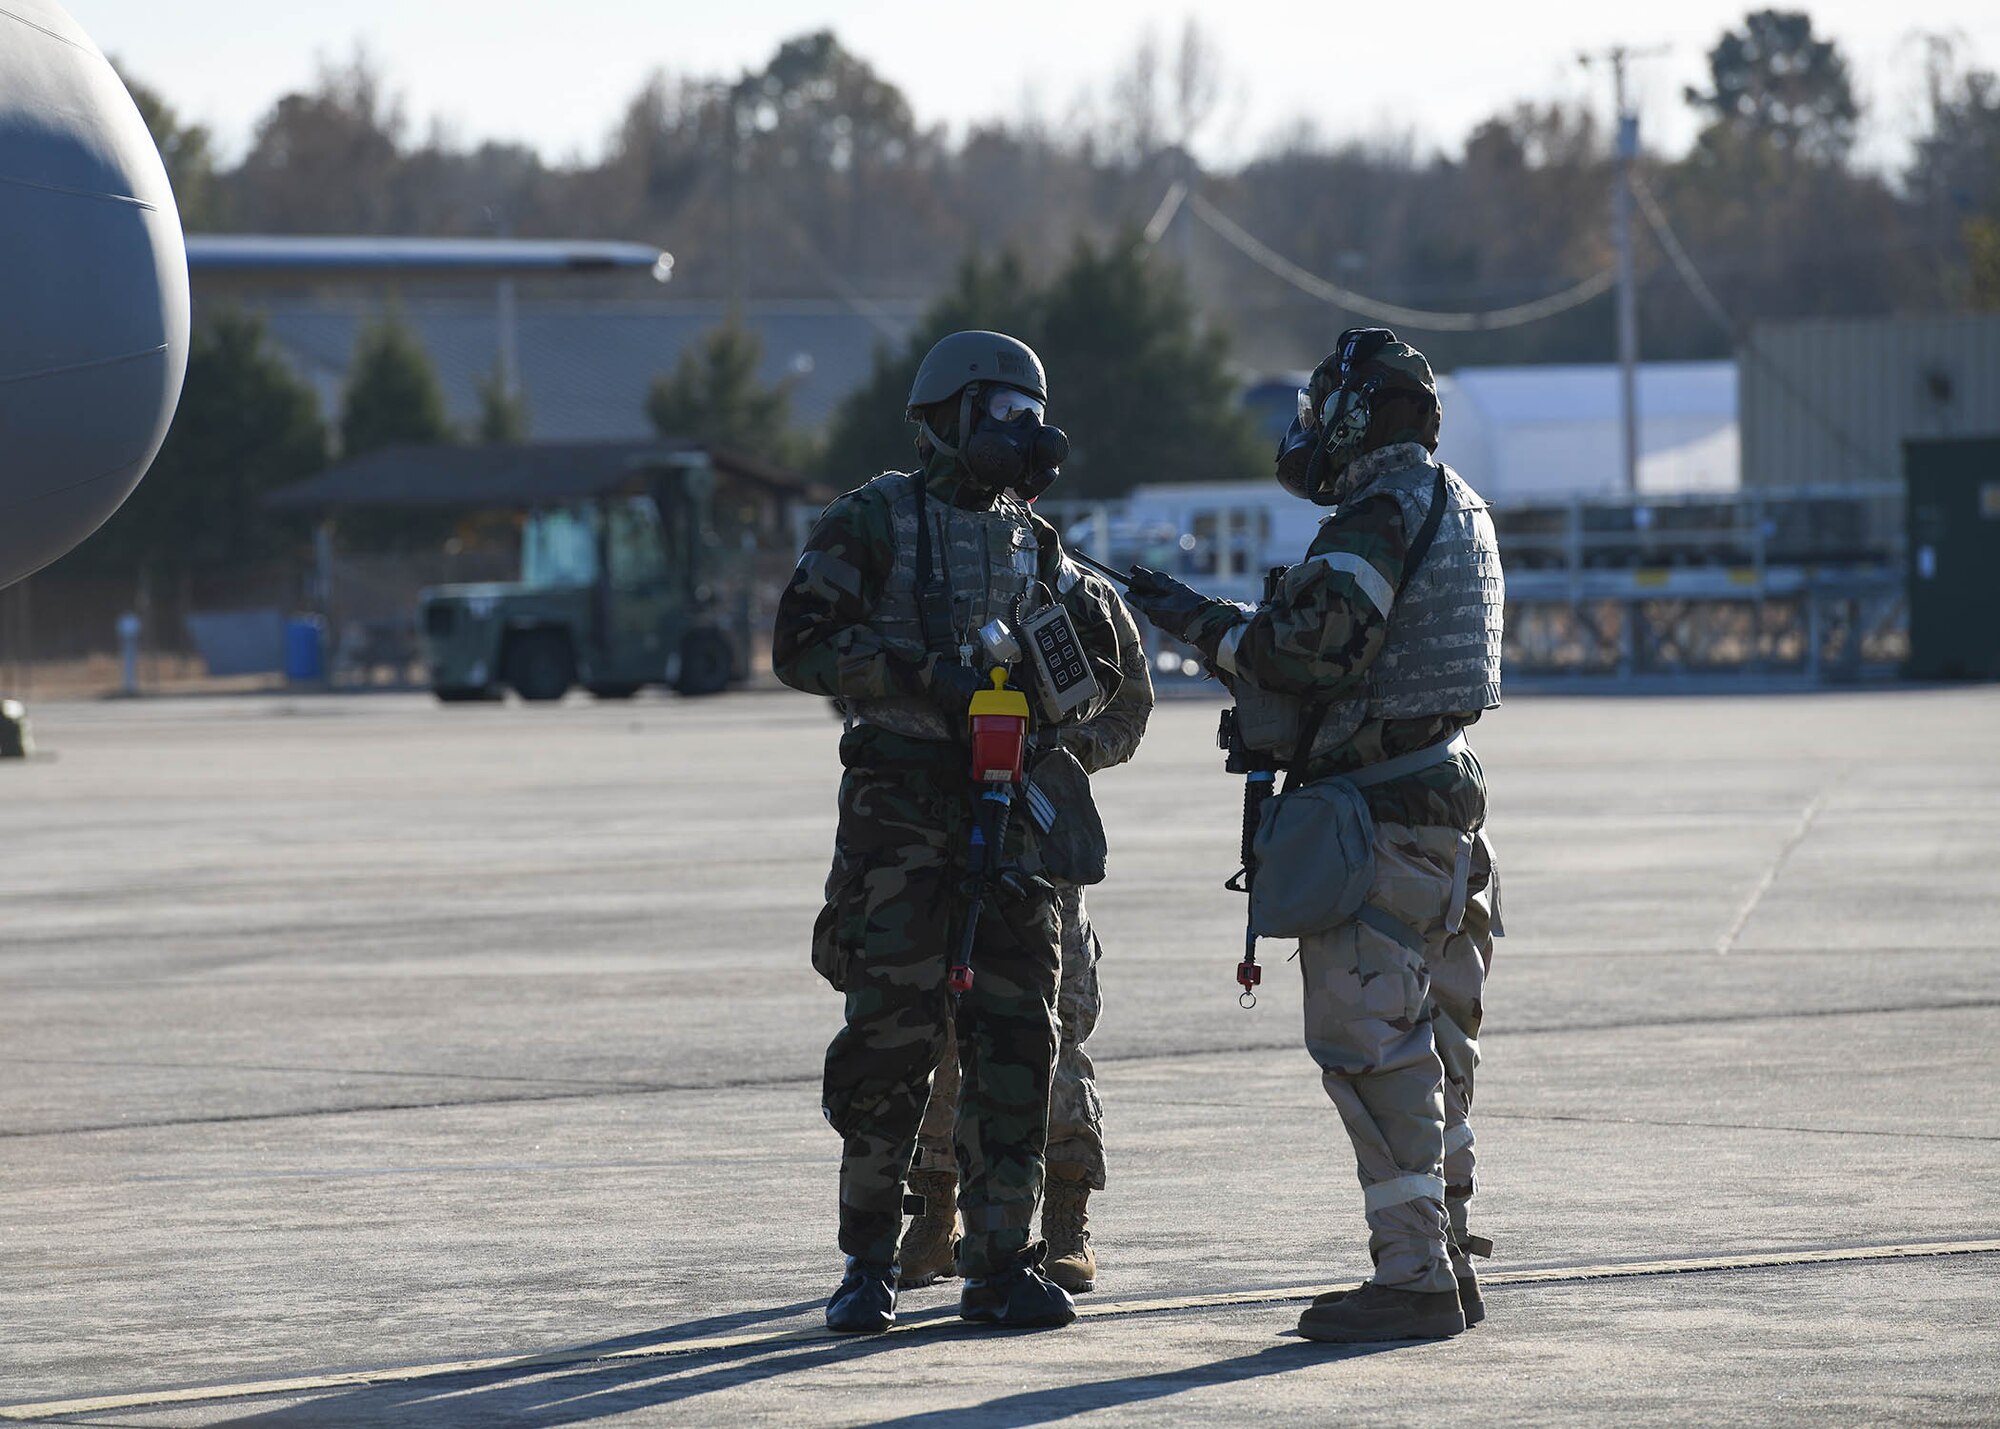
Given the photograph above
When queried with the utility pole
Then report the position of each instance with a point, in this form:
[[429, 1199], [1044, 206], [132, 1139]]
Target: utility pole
[[732, 138], [1621, 236]]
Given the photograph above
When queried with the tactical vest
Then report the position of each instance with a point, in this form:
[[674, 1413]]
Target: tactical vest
[[1441, 653], [988, 559]]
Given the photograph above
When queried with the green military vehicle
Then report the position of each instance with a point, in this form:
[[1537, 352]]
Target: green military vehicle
[[619, 589]]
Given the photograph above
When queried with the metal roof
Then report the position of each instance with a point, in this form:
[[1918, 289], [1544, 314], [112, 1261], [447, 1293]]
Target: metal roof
[[263, 253], [530, 475]]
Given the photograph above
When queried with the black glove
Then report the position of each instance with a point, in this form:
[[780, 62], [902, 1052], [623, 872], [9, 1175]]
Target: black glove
[[1163, 600], [950, 686]]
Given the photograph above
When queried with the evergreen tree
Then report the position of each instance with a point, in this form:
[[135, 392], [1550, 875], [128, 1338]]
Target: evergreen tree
[[392, 395], [1140, 384], [246, 425], [1142, 388], [713, 396], [503, 415]]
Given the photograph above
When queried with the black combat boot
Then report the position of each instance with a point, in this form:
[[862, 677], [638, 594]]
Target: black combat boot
[[1376, 1313], [865, 1303], [1019, 1297]]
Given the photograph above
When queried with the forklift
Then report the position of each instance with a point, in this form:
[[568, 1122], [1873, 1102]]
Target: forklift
[[618, 590]]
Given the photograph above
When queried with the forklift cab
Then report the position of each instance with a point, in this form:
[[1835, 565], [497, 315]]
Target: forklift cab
[[617, 591]]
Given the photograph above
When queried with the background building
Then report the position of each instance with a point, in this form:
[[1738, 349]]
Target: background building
[[1832, 402]]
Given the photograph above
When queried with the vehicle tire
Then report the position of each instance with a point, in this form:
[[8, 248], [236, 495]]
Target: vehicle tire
[[466, 694], [540, 666], [706, 664], [613, 692]]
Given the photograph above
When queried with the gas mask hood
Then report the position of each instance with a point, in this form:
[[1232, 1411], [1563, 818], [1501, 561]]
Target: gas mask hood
[[1335, 410]]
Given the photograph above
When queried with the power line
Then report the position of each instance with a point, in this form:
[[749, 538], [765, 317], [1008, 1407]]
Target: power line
[[1743, 338], [1170, 204], [1360, 303], [1670, 244]]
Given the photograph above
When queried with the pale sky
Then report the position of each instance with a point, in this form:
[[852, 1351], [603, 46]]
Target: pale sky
[[556, 75]]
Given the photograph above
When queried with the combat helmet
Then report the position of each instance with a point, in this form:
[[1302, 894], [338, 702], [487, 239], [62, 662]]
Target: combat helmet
[[976, 356]]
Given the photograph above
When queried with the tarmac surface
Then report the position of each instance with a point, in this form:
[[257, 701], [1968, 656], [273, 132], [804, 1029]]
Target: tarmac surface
[[364, 1061]]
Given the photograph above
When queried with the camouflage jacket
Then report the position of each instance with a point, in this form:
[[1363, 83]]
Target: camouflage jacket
[[823, 643], [1317, 639], [1112, 735]]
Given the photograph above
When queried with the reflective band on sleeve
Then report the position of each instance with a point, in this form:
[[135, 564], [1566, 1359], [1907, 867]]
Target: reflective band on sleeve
[[1384, 1194], [1225, 653], [1457, 1138], [1365, 575]]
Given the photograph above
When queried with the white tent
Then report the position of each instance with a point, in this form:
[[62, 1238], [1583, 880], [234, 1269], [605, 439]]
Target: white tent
[[1528, 433]]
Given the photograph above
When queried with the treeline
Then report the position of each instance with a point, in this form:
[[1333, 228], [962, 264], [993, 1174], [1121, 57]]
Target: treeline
[[813, 177]]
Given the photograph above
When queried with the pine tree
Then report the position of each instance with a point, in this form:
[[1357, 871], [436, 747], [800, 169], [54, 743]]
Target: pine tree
[[392, 396], [503, 415], [713, 396], [1140, 385]]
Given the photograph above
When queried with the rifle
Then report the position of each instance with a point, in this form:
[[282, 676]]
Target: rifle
[[1260, 773], [1259, 769], [1081, 559]]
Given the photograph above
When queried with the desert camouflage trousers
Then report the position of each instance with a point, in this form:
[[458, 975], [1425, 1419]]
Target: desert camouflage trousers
[[1395, 1031], [895, 911], [1076, 1115]]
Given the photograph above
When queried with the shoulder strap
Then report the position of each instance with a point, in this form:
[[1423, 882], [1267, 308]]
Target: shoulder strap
[[933, 600], [1426, 533], [1419, 548]]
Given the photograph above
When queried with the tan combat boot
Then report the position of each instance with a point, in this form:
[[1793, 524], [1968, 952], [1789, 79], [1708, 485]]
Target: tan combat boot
[[930, 1242], [1072, 1264]]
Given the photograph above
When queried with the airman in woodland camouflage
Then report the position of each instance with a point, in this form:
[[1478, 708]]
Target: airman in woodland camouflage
[[1386, 638], [882, 614], [1076, 1114]]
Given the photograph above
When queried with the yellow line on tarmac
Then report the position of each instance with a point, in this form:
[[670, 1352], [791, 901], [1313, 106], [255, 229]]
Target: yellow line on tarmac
[[944, 1319]]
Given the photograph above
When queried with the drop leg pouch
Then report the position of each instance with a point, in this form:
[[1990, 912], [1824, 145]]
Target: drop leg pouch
[[1315, 852]]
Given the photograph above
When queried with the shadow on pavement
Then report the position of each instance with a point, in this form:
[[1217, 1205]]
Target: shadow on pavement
[[1047, 1406], [542, 1395]]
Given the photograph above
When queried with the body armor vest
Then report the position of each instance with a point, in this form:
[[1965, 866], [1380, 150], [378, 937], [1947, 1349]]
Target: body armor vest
[[987, 559], [1441, 654], [1442, 651]]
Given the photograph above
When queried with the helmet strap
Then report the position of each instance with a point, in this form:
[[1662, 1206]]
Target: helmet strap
[[937, 442]]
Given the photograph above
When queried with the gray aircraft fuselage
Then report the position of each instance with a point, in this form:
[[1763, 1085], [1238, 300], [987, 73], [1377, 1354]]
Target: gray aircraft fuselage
[[93, 285]]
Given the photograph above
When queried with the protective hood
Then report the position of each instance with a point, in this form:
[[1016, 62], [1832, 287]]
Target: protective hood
[[1339, 406]]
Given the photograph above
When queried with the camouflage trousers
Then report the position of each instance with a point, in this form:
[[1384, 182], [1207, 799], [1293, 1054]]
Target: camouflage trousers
[[1076, 1115], [1395, 1031], [896, 909]]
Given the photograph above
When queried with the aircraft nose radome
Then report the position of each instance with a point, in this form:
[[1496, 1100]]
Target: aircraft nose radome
[[93, 277]]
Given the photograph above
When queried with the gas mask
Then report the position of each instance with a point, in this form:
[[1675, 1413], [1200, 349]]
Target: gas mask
[[1335, 409], [1008, 447]]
